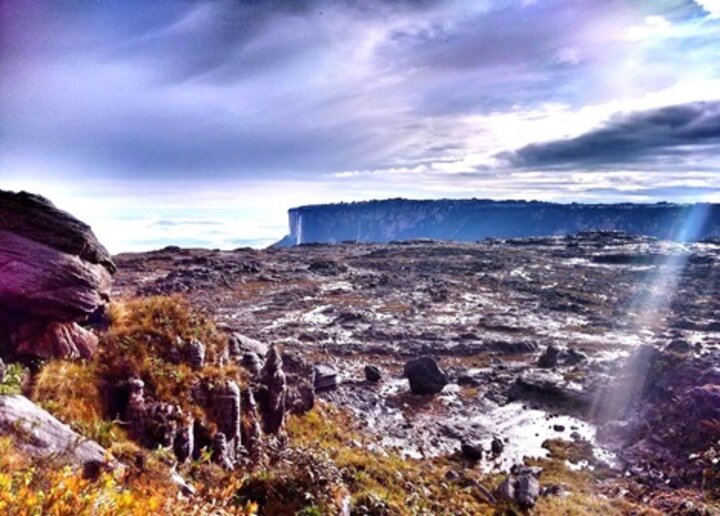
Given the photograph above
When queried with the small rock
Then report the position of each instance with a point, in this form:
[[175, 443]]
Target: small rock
[[497, 446], [373, 373], [573, 357], [425, 376], [325, 377], [559, 428], [452, 475], [468, 380], [679, 346], [472, 451], [549, 358]]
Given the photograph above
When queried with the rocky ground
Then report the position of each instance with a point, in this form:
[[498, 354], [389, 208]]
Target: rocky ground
[[604, 340], [575, 375]]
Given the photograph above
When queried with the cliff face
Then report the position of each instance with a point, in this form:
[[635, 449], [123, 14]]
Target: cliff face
[[470, 220]]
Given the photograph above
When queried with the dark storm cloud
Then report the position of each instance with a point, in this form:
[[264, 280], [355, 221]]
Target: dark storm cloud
[[667, 134]]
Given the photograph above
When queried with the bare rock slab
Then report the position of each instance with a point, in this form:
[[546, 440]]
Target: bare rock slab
[[41, 435]]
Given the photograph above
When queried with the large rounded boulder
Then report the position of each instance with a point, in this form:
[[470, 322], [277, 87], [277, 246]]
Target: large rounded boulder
[[425, 376]]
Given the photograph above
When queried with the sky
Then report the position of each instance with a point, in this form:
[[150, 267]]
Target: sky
[[199, 123]]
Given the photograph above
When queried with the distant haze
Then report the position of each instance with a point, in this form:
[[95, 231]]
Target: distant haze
[[199, 123]]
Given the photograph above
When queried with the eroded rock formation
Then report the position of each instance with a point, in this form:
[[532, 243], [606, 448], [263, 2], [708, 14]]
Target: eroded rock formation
[[271, 392]]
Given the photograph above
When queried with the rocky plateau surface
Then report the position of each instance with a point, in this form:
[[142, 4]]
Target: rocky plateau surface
[[489, 348]]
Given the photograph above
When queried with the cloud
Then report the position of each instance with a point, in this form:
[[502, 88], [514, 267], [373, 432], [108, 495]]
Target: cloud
[[712, 7], [664, 135], [154, 108]]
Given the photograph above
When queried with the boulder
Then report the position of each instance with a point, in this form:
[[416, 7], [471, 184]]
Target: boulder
[[497, 446], [41, 435], [521, 486], [239, 345], [53, 273], [425, 376], [472, 451], [325, 377], [373, 373]]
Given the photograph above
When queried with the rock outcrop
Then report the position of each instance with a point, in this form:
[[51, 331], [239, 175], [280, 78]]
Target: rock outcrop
[[41, 435], [271, 392], [53, 274]]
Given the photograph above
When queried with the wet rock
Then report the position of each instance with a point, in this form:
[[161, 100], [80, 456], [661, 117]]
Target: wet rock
[[572, 357], [679, 346], [325, 377], [559, 428], [425, 376], [40, 435], [472, 451], [373, 373], [327, 268], [549, 358], [521, 486], [272, 392], [551, 389], [53, 273], [467, 380], [497, 446]]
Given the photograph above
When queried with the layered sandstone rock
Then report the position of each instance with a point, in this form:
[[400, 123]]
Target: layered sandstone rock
[[53, 274]]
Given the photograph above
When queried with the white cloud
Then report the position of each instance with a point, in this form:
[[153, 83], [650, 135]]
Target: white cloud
[[712, 7]]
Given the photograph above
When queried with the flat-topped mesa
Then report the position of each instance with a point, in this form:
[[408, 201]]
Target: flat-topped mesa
[[476, 219], [53, 274]]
